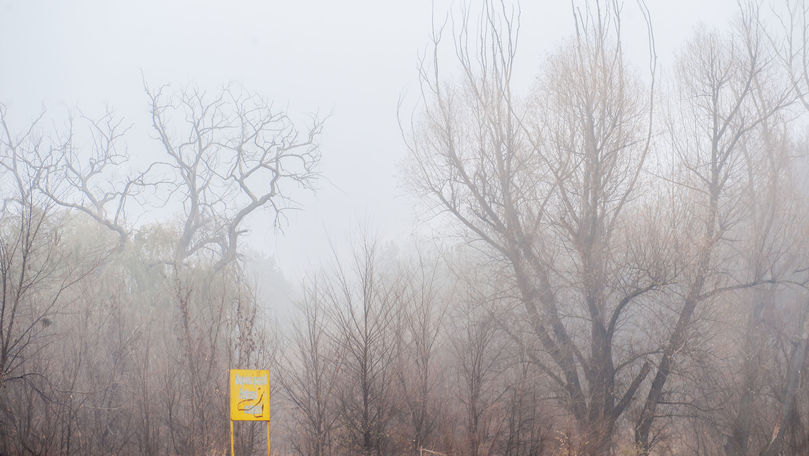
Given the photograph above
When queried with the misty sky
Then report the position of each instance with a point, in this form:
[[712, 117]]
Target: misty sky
[[350, 59]]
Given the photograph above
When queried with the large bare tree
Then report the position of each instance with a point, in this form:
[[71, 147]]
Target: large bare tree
[[547, 184]]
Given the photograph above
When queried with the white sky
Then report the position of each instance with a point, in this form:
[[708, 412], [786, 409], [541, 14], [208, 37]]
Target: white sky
[[350, 58]]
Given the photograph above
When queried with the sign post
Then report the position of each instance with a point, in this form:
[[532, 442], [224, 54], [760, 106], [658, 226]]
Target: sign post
[[249, 399]]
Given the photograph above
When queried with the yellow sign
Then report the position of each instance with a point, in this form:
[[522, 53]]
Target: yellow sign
[[249, 395]]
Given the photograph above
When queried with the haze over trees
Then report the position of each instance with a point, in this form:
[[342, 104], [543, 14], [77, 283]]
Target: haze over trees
[[626, 271]]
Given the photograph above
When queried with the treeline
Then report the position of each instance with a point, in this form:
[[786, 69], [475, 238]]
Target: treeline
[[116, 339], [627, 276], [630, 271]]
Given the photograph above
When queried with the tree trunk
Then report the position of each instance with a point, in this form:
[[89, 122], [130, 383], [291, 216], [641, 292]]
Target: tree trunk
[[793, 378]]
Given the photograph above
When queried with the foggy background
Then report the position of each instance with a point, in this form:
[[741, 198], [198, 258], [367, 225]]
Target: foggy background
[[576, 252], [351, 60]]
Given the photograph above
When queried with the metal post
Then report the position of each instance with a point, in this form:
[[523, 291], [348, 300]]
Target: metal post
[[231, 439]]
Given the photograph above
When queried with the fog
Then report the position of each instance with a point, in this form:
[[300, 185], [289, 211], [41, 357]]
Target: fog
[[483, 228], [351, 61]]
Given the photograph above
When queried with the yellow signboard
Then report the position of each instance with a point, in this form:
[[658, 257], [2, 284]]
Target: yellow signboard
[[249, 395]]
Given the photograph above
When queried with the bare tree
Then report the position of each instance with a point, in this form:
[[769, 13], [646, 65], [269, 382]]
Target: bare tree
[[783, 214], [91, 178], [311, 374], [364, 301], [422, 318], [718, 77], [36, 272], [546, 186], [33, 269], [230, 154], [478, 350]]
